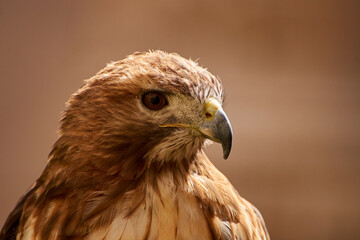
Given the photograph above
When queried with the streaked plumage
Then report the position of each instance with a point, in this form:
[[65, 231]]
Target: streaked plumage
[[120, 170]]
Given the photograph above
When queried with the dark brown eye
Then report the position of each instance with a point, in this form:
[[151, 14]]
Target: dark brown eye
[[154, 100]]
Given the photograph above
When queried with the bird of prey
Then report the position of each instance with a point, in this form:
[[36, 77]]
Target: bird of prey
[[129, 161]]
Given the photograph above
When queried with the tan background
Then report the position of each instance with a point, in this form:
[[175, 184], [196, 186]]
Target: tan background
[[291, 71]]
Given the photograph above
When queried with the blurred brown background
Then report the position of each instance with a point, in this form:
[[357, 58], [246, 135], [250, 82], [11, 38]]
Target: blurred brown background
[[291, 71]]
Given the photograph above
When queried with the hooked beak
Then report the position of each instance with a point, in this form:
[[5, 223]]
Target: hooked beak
[[216, 126]]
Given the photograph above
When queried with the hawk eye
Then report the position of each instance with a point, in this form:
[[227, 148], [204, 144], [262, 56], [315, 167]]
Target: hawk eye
[[154, 100]]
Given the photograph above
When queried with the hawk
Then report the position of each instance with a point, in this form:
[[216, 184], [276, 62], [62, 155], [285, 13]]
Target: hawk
[[129, 161]]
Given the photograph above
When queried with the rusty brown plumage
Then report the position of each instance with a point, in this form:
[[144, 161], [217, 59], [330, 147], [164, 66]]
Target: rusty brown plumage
[[118, 171]]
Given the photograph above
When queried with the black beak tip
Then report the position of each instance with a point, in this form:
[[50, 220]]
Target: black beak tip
[[226, 155], [226, 149]]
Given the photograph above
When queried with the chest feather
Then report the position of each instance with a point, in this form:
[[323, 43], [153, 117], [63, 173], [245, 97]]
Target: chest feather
[[166, 213]]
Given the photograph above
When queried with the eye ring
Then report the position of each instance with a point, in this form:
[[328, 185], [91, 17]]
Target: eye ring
[[154, 100]]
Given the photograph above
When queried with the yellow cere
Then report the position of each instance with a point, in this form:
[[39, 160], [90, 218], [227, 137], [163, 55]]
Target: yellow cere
[[210, 109]]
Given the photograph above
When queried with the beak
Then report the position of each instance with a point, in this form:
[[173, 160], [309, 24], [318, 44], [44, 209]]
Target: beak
[[216, 126]]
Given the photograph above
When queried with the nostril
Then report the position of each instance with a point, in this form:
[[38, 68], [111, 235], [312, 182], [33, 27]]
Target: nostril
[[208, 115]]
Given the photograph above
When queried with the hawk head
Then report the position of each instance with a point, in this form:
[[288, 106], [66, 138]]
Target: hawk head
[[151, 108], [130, 150]]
